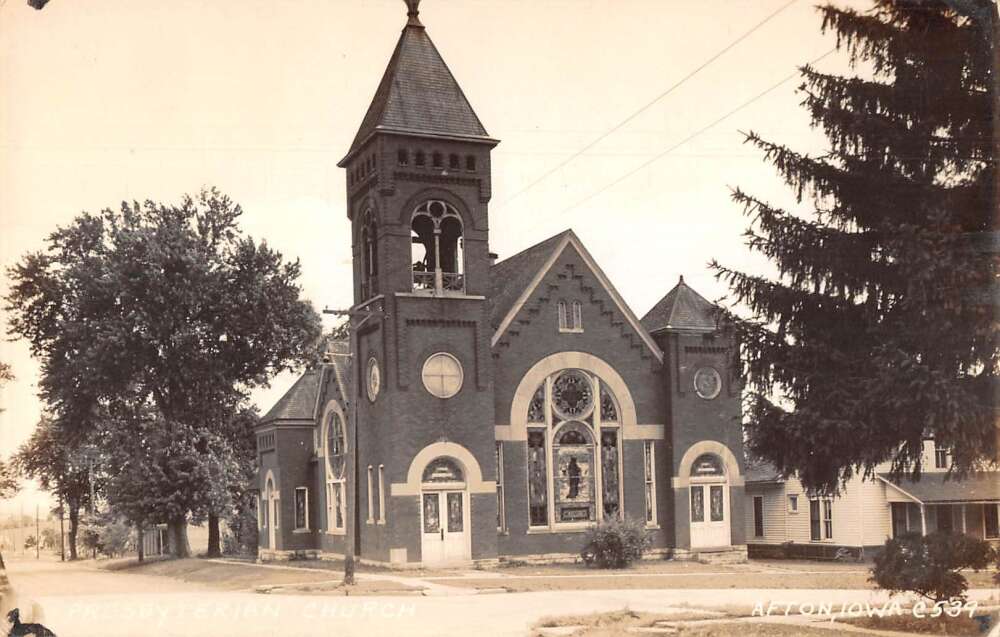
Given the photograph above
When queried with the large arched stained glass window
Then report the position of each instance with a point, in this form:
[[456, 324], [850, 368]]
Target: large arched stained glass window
[[574, 451]]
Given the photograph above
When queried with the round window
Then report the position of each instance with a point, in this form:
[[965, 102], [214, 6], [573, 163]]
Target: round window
[[442, 375], [707, 382], [374, 379]]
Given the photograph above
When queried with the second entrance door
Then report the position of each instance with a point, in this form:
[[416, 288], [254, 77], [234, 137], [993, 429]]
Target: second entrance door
[[445, 527]]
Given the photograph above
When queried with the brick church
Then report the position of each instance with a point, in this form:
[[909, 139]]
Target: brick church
[[491, 409]]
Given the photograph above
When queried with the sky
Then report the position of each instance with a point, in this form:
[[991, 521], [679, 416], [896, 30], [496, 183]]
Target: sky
[[103, 101]]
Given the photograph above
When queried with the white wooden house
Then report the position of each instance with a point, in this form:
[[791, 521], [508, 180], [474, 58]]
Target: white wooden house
[[785, 520]]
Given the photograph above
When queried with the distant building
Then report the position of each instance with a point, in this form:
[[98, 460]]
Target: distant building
[[502, 407], [783, 518]]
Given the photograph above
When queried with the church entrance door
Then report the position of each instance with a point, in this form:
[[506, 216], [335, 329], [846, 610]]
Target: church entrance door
[[444, 514]]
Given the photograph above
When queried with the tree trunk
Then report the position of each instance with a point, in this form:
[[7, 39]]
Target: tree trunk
[[177, 529], [141, 542], [214, 539], [74, 521]]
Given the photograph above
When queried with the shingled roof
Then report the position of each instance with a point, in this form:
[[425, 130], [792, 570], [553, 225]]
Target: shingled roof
[[419, 95], [939, 488], [682, 309], [299, 402], [510, 277]]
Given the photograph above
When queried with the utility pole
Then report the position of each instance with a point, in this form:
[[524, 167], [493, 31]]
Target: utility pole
[[351, 530], [38, 535]]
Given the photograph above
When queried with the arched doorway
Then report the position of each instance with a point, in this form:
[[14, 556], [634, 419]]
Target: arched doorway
[[709, 502], [444, 513]]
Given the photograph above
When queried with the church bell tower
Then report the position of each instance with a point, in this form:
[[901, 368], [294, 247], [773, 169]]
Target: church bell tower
[[418, 185]]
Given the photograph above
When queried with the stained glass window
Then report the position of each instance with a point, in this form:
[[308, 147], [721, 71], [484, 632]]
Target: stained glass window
[[648, 464], [697, 504], [717, 503], [570, 453], [609, 412], [572, 395], [609, 471], [537, 489], [432, 514], [707, 465], [536, 410], [301, 508], [456, 520]]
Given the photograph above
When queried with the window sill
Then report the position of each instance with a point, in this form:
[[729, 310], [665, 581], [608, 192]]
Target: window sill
[[554, 531], [338, 532], [571, 331], [447, 295], [370, 521], [380, 523], [653, 527], [301, 531]]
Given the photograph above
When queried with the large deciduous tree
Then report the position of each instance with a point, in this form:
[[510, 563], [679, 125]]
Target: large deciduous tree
[[63, 464], [164, 307], [878, 330]]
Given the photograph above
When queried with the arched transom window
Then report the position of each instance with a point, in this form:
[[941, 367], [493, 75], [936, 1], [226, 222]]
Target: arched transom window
[[574, 451], [335, 454], [437, 248]]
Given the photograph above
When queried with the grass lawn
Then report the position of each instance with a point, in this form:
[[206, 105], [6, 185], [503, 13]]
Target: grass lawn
[[942, 625], [618, 623], [223, 576]]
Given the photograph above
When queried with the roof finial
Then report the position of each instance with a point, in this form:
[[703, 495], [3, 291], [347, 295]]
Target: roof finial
[[681, 281], [413, 13]]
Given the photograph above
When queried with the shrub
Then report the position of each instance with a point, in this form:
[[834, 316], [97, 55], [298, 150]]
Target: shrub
[[930, 565], [615, 543]]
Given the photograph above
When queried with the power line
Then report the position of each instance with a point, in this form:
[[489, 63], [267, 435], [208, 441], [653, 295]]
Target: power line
[[645, 107], [659, 156]]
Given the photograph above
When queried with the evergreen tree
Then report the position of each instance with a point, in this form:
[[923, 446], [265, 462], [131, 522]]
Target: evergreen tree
[[878, 330]]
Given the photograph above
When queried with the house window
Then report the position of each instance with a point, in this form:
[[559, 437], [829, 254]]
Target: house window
[[991, 523], [898, 515], [470, 162], [335, 453], [438, 160], [301, 508], [940, 457], [793, 504], [369, 255], [453, 162], [758, 516], [649, 473], [371, 494], [561, 312], [828, 519], [501, 514], [421, 159], [381, 494], [820, 519], [403, 156], [945, 523], [437, 249], [577, 316], [574, 451]]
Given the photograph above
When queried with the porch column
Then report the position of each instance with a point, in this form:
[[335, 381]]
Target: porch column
[[963, 518], [923, 519]]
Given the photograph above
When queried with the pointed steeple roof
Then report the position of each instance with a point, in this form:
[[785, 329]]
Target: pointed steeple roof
[[418, 95], [682, 309]]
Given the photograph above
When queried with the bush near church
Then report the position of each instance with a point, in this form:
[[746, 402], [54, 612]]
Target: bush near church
[[615, 543], [930, 565]]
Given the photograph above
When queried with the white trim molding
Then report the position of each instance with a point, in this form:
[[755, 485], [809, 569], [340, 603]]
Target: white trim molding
[[518, 429], [470, 466], [571, 239], [731, 464]]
